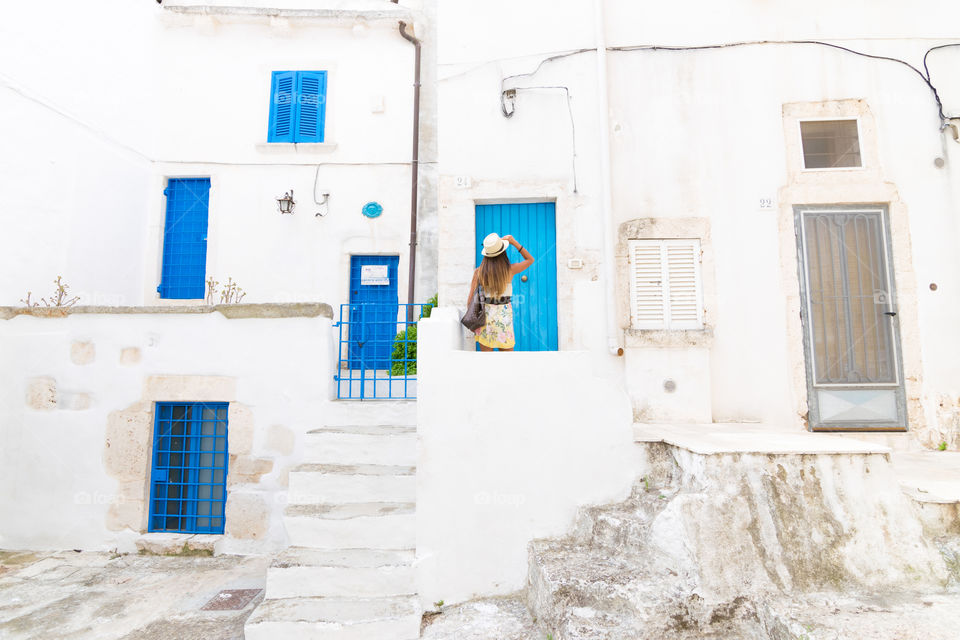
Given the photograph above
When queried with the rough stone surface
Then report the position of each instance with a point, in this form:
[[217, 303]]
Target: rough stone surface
[[488, 619], [102, 596], [42, 393], [247, 515], [247, 469], [748, 546], [191, 389], [82, 353], [266, 310], [130, 356]]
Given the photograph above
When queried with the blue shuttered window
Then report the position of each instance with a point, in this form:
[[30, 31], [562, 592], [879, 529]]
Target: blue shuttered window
[[183, 273], [188, 481], [298, 105]]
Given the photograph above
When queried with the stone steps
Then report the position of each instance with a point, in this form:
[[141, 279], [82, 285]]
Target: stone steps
[[395, 618], [350, 518], [346, 484], [363, 444], [363, 573]]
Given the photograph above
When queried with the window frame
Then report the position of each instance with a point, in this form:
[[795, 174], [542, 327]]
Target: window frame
[[833, 118], [295, 108], [668, 323], [190, 453]]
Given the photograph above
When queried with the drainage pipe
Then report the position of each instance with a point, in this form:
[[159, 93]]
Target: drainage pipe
[[609, 270], [414, 167]]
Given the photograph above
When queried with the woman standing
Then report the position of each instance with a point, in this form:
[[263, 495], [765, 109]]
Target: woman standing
[[495, 277]]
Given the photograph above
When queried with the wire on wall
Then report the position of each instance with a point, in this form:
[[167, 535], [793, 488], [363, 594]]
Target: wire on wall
[[924, 74], [507, 100]]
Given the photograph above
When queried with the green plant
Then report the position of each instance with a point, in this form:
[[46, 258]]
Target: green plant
[[943, 446], [403, 357], [438, 604], [428, 307]]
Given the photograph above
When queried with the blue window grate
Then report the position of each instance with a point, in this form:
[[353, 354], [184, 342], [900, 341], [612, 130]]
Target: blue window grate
[[183, 274], [188, 483], [298, 106]]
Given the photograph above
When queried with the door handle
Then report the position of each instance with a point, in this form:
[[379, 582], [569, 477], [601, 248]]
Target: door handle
[[890, 313], [523, 278]]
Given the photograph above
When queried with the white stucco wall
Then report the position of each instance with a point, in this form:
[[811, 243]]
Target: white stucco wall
[[507, 451], [122, 96], [59, 472], [701, 135]]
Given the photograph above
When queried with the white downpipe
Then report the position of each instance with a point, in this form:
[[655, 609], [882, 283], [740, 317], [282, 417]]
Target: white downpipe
[[606, 203]]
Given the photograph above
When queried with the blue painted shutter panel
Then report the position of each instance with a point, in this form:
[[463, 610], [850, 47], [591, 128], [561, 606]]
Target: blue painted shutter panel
[[183, 272], [282, 107], [311, 100]]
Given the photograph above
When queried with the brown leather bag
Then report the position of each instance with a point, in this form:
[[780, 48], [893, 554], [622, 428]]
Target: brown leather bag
[[476, 316]]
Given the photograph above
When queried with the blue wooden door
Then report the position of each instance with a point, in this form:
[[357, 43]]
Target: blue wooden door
[[534, 225], [183, 275], [373, 314]]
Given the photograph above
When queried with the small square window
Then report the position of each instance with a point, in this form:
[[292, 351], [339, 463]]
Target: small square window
[[830, 144]]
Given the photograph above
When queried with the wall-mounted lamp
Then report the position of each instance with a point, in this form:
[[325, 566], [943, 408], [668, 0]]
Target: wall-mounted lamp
[[286, 203]]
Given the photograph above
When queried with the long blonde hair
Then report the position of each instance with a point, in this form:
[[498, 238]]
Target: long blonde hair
[[495, 275]]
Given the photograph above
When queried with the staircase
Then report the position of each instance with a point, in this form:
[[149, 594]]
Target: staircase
[[348, 574], [729, 545]]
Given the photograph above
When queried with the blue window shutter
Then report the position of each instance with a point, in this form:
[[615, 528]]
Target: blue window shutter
[[282, 107], [311, 100]]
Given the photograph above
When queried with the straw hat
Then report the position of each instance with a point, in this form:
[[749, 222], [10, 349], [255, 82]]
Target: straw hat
[[493, 245]]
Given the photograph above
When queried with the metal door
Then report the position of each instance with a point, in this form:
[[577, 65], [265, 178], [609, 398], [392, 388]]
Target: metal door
[[373, 311], [849, 314], [535, 290]]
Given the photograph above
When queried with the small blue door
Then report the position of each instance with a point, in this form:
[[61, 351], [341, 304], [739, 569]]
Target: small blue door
[[373, 311], [534, 225], [183, 275]]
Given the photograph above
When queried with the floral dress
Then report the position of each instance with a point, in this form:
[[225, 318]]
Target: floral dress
[[497, 333]]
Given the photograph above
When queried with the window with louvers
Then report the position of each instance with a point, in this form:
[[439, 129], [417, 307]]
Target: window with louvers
[[665, 284]]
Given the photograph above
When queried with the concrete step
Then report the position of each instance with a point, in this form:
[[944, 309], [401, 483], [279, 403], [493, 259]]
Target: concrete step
[[335, 619], [399, 412], [389, 445], [371, 525], [366, 573], [343, 484]]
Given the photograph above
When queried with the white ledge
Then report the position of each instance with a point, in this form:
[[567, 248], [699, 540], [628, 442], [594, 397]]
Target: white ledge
[[297, 147], [367, 9]]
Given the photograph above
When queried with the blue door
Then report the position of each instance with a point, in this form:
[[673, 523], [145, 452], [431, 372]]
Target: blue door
[[373, 311], [534, 225], [183, 275]]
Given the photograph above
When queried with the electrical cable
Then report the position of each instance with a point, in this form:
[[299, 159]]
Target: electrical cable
[[924, 75], [573, 126]]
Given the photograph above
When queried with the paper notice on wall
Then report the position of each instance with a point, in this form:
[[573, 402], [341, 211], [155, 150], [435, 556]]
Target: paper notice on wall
[[374, 274]]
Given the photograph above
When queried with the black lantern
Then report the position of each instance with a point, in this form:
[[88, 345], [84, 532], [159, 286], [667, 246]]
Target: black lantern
[[285, 204]]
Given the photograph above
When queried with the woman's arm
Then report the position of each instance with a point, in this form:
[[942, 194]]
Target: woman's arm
[[517, 267], [473, 285]]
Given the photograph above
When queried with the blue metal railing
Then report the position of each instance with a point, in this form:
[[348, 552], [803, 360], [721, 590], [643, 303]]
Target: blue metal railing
[[377, 351]]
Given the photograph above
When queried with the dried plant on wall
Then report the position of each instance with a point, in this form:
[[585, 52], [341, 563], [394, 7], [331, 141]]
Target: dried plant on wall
[[60, 297], [231, 293]]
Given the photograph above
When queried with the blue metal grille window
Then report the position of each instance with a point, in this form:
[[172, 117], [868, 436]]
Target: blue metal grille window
[[298, 106], [188, 484], [183, 274]]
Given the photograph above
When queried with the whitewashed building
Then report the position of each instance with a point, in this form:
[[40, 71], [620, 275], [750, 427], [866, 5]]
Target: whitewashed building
[[743, 221]]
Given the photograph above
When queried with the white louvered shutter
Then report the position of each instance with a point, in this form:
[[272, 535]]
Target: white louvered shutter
[[647, 285], [665, 284]]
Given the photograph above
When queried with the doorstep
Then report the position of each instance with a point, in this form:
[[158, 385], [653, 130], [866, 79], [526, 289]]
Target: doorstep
[[176, 544], [719, 438]]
